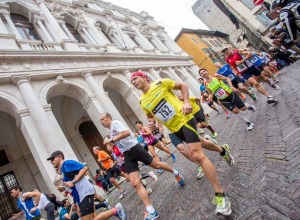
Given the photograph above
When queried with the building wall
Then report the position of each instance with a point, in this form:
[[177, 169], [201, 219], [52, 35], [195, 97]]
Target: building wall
[[215, 19], [204, 48], [50, 85]]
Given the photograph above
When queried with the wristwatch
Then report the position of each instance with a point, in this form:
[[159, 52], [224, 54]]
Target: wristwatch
[[74, 181], [111, 140]]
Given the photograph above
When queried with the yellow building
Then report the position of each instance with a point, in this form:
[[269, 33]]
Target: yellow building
[[204, 46]]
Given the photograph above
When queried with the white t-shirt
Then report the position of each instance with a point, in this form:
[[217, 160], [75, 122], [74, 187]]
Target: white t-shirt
[[264, 58], [43, 202], [125, 144]]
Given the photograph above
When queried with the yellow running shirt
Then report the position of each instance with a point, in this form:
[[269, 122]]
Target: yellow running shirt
[[161, 102]]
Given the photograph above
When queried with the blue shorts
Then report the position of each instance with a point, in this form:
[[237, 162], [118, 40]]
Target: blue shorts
[[252, 71]]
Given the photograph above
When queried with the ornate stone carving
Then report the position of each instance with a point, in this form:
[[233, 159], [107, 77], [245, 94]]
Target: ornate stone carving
[[26, 65], [60, 79]]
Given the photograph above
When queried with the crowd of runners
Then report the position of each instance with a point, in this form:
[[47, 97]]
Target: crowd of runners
[[179, 117]]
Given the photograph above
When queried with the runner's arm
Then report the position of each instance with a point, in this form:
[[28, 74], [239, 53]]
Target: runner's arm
[[147, 131], [246, 53], [218, 76], [187, 108]]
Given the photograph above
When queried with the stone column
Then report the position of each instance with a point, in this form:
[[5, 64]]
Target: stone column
[[11, 25], [51, 32], [154, 73], [94, 32], [162, 47], [64, 27], [193, 84], [177, 78], [101, 97], [193, 72], [171, 43], [44, 31], [53, 23], [45, 128], [88, 35], [3, 29], [143, 39]]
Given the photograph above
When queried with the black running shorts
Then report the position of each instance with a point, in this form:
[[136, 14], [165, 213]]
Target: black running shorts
[[236, 82], [135, 154], [232, 101], [188, 132], [112, 171], [175, 140], [199, 117], [252, 71], [87, 205]]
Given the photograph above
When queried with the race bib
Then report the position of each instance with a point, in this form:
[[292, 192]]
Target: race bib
[[242, 67], [221, 93], [157, 136], [253, 59], [164, 111], [231, 76]]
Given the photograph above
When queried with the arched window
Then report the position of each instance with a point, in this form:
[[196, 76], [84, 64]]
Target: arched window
[[25, 29], [75, 33]]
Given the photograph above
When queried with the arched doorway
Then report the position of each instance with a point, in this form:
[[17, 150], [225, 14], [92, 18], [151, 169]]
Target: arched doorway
[[91, 136]]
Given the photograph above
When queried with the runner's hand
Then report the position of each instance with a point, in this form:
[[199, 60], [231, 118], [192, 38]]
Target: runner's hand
[[33, 210], [187, 108]]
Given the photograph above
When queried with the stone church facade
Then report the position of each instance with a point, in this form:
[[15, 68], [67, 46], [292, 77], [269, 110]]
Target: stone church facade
[[62, 64]]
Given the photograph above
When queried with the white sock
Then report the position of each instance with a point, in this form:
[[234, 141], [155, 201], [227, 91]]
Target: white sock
[[242, 116], [150, 209], [175, 172]]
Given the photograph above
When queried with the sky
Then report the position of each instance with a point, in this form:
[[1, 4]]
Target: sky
[[171, 14]]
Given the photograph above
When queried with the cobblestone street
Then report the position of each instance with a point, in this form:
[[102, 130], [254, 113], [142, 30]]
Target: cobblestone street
[[265, 181]]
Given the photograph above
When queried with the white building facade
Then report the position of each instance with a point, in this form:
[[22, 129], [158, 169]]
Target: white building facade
[[62, 64]]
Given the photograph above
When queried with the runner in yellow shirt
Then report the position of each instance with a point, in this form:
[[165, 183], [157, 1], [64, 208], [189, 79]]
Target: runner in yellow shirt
[[160, 102]]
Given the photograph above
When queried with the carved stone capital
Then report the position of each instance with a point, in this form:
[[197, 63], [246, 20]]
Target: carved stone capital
[[4, 12], [108, 74], [17, 80], [125, 70], [60, 79], [86, 73]]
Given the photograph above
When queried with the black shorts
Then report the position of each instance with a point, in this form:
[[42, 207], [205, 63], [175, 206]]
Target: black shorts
[[188, 132], [87, 205], [236, 82], [252, 71], [162, 136], [232, 101], [175, 140], [154, 142], [199, 117], [215, 99], [135, 154], [112, 171]]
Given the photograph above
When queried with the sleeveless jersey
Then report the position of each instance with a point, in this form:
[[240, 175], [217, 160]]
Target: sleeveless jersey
[[237, 57], [256, 60], [219, 88]]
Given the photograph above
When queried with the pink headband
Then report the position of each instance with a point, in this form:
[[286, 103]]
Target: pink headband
[[141, 74]]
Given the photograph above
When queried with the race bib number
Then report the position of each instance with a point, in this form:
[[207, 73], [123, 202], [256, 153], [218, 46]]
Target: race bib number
[[231, 76], [157, 136], [221, 93], [253, 59], [164, 111], [242, 67]]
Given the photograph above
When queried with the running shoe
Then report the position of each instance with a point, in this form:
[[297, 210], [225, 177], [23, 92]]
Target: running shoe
[[253, 96], [151, 216], [144, 182], [120, 212], [149, 190], [250, 126], [227, 115], [200, 131], [152, 176], [274, 86], [200, 173], [271, 100], [180, 179], [250, 89], [174, 157], [223, 205], [107, 204], [243, 97], [215, 134], [227, 156], [122, 194], [207, 118], [251, 107], [276, 81], [207, 137], [160, 171]]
